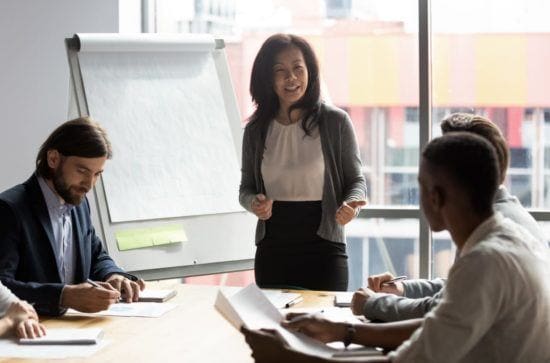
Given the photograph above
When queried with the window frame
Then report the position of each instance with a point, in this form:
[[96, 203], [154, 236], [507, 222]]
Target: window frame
[[425, 131]]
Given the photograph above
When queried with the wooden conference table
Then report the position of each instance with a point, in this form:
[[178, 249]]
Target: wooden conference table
[[193, 332]]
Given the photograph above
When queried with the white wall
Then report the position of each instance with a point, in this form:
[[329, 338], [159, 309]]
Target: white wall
[[34, 75]]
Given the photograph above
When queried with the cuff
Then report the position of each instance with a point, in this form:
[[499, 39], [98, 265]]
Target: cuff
[[124, 274]]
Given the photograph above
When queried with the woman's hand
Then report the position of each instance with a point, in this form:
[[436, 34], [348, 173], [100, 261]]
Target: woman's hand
[[30, 328], [348, 211], [24, 320], [261, 207], [19, 311]]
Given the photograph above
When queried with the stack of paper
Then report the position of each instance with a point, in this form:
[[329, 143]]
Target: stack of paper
[[251, 308], [67, 337]]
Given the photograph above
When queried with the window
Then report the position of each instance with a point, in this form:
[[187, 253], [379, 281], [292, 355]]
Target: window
[[487, 58]]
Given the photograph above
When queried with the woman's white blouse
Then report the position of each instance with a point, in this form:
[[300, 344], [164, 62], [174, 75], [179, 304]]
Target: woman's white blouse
[[293, 166]]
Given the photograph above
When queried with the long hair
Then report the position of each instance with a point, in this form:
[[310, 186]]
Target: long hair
[[80, 137], [261, 81], [483, 127]]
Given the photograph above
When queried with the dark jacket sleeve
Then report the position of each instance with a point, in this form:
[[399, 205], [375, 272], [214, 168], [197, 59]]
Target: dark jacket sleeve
[[45, 296]]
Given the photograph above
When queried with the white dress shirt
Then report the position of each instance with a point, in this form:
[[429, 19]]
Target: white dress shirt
[[6, 298], [62, 227], [495, 306]]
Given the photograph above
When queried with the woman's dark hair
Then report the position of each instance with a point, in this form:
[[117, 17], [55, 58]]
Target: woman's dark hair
[[261, 81], [470, 161], [80, 137], [483, 127]]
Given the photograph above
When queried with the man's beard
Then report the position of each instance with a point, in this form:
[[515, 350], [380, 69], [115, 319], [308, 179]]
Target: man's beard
[[64, 190]]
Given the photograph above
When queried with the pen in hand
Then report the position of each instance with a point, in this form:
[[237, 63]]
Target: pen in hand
[[394, 280], [93, 283]]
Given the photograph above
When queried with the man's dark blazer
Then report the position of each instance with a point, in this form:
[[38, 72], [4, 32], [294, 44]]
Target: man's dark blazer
[[27, 261]]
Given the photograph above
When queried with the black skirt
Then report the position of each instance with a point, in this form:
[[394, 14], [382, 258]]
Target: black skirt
[[292, 255]]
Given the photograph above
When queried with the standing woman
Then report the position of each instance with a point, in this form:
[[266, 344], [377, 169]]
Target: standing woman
[[301, 171]]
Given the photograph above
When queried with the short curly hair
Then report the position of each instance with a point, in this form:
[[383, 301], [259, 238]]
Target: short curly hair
[[483, 127]]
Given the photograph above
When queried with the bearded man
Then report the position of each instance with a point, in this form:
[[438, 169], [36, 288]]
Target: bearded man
[[48, 245]]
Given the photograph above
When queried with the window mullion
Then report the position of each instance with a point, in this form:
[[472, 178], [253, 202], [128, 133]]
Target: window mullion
[[425, 124]]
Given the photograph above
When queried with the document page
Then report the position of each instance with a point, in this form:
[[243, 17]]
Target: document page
[[253, 309], [141, 309]]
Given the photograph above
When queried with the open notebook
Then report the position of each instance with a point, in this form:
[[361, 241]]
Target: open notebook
[[67, 337]]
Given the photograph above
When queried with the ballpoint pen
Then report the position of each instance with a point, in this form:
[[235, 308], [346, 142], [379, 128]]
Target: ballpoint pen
[[93, 283], [394, 280], [294, 302]]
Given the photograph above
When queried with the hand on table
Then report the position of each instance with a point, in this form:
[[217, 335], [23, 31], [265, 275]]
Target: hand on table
[[89, 299], [24, 320], [359, 300]]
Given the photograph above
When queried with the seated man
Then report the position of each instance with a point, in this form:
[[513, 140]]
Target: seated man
[[48, 246], [18, 316], [495, 304], [413, 298]]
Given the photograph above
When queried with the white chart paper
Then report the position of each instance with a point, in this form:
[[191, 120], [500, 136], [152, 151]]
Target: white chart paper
[[164, 112]]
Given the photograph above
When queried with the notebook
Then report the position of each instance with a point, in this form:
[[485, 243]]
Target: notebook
[[149, 295], [343, 299], [67, 337]]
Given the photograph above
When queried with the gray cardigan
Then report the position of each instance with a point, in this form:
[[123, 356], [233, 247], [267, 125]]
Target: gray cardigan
[[344, 180], [421, 296]]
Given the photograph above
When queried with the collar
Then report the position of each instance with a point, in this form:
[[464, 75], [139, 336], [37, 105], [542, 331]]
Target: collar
[[480, 232], [55, 203], [502, 194]]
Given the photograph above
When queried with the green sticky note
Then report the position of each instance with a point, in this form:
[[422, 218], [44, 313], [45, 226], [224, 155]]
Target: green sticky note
[[149, 237]]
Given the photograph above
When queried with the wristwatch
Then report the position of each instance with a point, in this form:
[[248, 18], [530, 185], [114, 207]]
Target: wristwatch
[[350, 334]]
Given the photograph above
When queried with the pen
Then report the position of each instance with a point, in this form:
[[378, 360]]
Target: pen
[[93, 283], [394, 280], [294, 302]]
